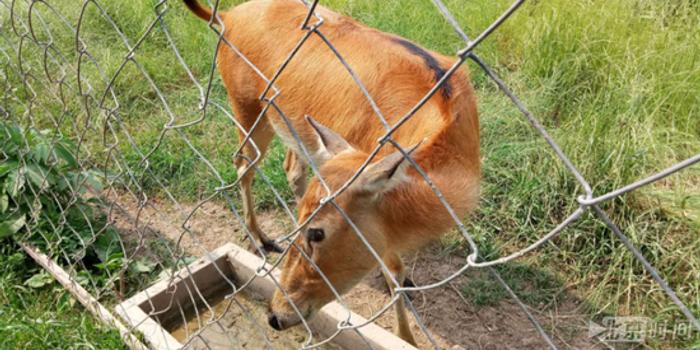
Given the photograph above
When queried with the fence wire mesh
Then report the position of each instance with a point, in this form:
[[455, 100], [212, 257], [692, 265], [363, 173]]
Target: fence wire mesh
[[113, 234]]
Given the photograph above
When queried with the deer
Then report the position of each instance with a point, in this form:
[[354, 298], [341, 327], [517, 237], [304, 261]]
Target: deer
[[389, 202]]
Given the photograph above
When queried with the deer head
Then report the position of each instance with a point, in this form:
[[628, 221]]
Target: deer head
[[329, 250]]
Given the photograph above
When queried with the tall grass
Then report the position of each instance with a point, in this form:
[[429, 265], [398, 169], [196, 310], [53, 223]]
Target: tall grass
[[615, 83]]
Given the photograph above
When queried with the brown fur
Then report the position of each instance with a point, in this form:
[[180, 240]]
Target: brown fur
[[399, 218]]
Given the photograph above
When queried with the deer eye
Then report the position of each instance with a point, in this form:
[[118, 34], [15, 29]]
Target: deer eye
[[315, 234]]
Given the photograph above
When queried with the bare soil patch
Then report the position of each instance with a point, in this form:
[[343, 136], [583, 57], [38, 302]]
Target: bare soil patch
[[452, 320]]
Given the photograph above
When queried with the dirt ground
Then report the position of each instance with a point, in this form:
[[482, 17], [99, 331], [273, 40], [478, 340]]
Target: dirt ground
[[238, 326], [451, 319]]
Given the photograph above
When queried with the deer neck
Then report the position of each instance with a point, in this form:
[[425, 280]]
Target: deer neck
[[415, 213]]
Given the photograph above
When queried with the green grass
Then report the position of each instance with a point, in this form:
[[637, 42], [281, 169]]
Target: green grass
[[45, 317], [615, 83], [532, 285]]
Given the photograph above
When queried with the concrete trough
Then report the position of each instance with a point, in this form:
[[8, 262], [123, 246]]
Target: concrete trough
[[238, 265]]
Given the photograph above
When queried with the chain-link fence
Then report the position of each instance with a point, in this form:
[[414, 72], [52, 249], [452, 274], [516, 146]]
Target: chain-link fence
[[95, 204]]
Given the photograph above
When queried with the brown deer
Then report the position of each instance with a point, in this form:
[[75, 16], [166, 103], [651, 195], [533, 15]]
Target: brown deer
[[390, 203]]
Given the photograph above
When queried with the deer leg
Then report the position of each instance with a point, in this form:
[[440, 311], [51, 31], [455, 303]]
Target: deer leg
[[245, 165], [407, 282], [397, 268]]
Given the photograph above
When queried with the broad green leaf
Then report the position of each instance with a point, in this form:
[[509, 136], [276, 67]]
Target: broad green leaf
[[62, 152], [16, 135], [185, 261], [114, 263], [93, 179], [11, 225], [14, 184], [41, 152], [37, 176], [7, 166], [61, 184], [107, 244], [39, 280], [142, 266], [4, 202]]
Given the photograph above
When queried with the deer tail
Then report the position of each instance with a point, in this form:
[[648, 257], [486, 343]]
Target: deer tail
[[200, 11]]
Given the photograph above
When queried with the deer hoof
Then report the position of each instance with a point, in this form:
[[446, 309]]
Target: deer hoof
[[271, 247], [407, 282]]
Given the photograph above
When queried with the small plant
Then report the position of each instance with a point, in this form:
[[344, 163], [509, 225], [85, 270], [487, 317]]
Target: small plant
[[38, 175], [50, 201]]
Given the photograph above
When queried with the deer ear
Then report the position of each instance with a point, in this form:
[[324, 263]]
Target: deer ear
[[387, 173], [330, 143]]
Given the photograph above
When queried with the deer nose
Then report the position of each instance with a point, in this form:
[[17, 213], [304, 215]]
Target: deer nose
[[274, 322]]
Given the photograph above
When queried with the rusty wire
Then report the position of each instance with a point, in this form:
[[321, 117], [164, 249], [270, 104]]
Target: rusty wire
[[101, 114]]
